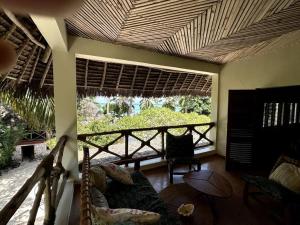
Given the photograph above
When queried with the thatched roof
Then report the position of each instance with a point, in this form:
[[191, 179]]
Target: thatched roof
[[34, 70], [214, 30]]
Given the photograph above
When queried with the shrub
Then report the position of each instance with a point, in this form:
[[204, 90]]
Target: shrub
[[9, 137]]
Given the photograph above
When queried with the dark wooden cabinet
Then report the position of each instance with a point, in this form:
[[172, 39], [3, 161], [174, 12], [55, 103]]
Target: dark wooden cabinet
[[262, 124]]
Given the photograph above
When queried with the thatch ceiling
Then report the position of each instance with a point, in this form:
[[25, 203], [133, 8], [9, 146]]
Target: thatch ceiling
[[34, 70], [212, 30]]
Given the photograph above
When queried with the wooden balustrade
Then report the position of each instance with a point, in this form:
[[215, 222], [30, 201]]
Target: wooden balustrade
[[127, 157], [47, 177]]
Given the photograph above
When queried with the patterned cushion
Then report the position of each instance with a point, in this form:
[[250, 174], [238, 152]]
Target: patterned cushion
[[288, 175], [117, 173], [98, 178], [272, 188], [98, 199], [287, 159], [111, 216], [141, 196]]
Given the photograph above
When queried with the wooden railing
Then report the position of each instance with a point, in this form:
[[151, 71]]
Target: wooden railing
[[47, 177], [129, 156]]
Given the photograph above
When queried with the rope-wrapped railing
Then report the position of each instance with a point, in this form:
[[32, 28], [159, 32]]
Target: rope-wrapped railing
[[47, 177], [85, 199], [129, 134]]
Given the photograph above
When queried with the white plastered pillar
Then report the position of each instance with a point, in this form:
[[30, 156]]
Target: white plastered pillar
[[64, 75], [214, 108]]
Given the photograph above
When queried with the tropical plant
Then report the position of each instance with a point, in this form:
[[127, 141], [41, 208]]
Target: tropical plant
[[170, 103], [9, 137], [36, 111]]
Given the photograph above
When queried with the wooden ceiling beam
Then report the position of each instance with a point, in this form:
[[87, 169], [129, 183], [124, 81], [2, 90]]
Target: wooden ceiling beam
[[178, 76], [167, 82], [108, 52], [53, 30]]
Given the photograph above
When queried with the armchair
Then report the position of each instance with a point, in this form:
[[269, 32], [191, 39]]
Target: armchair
[[180, 150]]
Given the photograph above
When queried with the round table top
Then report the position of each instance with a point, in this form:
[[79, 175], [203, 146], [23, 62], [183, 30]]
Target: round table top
[[178, 194], [209, 183]]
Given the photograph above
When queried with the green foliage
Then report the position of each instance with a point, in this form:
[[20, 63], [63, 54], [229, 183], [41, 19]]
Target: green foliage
[[153, 117], [9, 137], [200, 105]]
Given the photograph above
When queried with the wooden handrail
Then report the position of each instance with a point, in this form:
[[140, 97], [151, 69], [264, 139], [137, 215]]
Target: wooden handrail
[[44, 175], [127, 158], [82, 136]]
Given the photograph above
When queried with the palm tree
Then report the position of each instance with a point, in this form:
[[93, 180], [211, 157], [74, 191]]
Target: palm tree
[[146, 103], [36, 111]]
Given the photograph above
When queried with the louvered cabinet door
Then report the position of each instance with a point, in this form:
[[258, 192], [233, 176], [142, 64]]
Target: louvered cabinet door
[[240, 129]]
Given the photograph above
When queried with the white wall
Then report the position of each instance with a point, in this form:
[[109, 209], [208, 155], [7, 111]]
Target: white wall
[[278, 67]]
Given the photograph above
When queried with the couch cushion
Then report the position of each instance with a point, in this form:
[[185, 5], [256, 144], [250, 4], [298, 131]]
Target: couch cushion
[[111, 216], [98, 178], [141, 195], [288, 175], [98, 199], [117, 173], [272, 188]]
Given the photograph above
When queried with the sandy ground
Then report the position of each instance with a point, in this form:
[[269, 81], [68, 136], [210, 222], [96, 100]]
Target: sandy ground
[[12, 180]]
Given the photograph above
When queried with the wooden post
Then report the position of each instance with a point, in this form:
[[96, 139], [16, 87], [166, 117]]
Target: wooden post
[[126, 146], [163, 151]]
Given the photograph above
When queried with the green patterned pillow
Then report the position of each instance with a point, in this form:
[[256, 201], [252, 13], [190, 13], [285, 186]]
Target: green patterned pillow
[[106, 216]]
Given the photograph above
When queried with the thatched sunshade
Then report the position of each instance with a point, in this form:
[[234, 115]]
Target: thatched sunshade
[[34, 71]]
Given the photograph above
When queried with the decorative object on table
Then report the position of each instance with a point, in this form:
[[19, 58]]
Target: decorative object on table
[[180, 150], [186, 209]]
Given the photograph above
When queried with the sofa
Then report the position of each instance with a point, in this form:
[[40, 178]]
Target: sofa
[[141, 195]]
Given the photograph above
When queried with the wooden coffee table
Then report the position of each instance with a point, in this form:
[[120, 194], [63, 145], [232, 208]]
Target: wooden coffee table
[[177, 194], [209, 183]]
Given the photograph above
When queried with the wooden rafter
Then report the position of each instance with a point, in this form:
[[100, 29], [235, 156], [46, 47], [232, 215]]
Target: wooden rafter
[[24, 45], [146, 81], [103, 76], [190, 85], [120, 76], [134, 77], [27, 63], [207, 81], [35, 65], [46, 72], [178, 76], [158, 80], [86, 74], [167, 82], [183, 83], [9, 33]]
